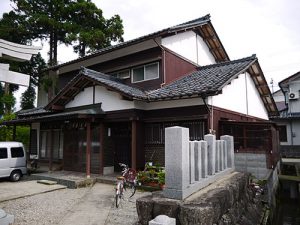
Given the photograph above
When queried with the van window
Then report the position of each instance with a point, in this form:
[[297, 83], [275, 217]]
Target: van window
[[3, 153], [17, 152]]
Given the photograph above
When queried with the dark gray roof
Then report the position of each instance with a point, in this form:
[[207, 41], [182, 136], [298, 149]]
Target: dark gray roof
[[34, 111], [207, 80], [186, 25], [114, 83]]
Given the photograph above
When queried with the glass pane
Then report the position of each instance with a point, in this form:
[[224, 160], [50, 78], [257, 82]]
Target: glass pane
[[124, 74], [138, 74], [43, 144], [3, 153], [56, 144], [17, 152], [151, 71]]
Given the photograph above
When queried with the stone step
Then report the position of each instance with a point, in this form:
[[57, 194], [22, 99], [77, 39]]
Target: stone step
[[47, 182]]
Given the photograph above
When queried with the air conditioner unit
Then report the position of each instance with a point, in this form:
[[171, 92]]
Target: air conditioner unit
[[294, 95]]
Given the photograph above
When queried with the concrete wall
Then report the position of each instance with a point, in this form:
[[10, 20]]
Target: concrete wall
[[241, 96], [256, 164], [190, 46]]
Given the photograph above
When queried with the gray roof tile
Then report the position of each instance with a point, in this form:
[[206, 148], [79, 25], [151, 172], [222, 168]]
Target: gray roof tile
[[207, 80]]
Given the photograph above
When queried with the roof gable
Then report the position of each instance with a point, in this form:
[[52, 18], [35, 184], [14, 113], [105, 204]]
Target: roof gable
[[206, 81], [201, 25]]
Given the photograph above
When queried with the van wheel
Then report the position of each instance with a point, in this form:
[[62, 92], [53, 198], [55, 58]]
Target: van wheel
[[15, 176]]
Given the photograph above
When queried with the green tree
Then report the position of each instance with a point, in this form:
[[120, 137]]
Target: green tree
[[28, 97], [67, 21], [90, 31]]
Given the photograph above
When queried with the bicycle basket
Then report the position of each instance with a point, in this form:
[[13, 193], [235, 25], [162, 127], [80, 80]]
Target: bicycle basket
[[130, 176]]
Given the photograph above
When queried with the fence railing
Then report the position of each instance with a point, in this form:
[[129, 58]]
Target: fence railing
[[193, 165]]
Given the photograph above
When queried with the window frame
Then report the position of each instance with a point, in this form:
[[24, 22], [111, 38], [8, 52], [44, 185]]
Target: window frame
[[6, 153], [144, 75]]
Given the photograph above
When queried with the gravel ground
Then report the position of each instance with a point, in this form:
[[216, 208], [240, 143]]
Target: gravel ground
[[43, 209], [52, 207]]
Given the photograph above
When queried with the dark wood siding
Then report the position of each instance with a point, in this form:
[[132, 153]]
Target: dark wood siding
[[224, 115], [176, 67]]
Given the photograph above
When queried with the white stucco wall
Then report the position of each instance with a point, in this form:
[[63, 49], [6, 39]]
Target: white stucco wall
[[190, 46], [112, 101], [241, 96]]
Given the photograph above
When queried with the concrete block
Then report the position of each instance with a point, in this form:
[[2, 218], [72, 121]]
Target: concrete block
[[198, 161], [204, 157], [217, 161], [225, 154], [222, 154], [176, 158], [192, 161], [230, 149], [211, 152]]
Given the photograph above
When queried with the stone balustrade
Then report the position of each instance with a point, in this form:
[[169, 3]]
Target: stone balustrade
[[193, 165]]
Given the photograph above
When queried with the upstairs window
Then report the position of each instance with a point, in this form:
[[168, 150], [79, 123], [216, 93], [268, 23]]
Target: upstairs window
[[146, 72], [124, 74]]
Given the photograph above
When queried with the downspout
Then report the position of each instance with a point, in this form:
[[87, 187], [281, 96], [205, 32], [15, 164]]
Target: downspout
[[210, 112], [246, 87], [163, 62]]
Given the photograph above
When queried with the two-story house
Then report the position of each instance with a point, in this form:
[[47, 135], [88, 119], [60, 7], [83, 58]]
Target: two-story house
[[288, 103], [113, 105]]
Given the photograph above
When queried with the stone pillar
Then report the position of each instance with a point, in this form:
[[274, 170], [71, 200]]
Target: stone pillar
[[222, 155], [218, 159], [225, 154], [230, 149], [192, 161], [176, 161], [211, 151], [204, 164], [198, 161]]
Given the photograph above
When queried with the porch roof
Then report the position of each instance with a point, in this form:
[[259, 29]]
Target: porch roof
[[54, 116]]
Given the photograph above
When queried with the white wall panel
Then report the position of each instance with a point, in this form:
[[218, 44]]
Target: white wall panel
[[190, 46], [234, 98]]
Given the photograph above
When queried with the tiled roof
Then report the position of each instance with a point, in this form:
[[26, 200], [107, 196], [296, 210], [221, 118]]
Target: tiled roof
[[114, 83], [34, 111], [186, 25], [207, 80]]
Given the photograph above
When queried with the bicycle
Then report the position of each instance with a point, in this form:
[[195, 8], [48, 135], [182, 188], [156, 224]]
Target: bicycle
[[127, 182]]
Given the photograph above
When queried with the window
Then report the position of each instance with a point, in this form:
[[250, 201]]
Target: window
[[282, 133], [50, 139], [17, 152], [3, 153], [123, 74], [146, 72]]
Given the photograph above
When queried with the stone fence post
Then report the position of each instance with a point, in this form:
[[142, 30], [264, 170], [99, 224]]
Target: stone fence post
[[176, 161], [229, 149]]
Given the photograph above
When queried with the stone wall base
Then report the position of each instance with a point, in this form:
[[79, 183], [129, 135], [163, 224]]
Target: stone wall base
[[228, 201]]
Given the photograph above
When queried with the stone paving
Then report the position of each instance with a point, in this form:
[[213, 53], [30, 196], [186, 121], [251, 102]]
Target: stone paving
[[90, 205]]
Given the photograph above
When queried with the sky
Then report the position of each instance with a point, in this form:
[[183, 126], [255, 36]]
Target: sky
[[268, 28]]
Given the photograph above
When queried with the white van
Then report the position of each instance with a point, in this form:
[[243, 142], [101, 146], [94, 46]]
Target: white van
[[12, 160]]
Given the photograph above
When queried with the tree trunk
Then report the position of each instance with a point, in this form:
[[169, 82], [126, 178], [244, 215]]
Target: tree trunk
[[55, 48]]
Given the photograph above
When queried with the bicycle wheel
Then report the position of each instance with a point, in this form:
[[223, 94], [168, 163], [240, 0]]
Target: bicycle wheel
[[131, 189], [118, 194], [118, 200]]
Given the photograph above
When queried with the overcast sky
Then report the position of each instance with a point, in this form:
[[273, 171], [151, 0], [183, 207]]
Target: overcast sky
[[268, 28]]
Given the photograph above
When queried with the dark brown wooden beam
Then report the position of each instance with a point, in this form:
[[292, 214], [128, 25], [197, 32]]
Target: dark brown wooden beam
[[88, 149], [51, 150], [101, 152], [65, 97], [133, 144], [58, 107]]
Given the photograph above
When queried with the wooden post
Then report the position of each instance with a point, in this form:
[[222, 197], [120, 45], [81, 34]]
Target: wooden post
[[101, 151], [88, 149], [133, 144], [51, 150]]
